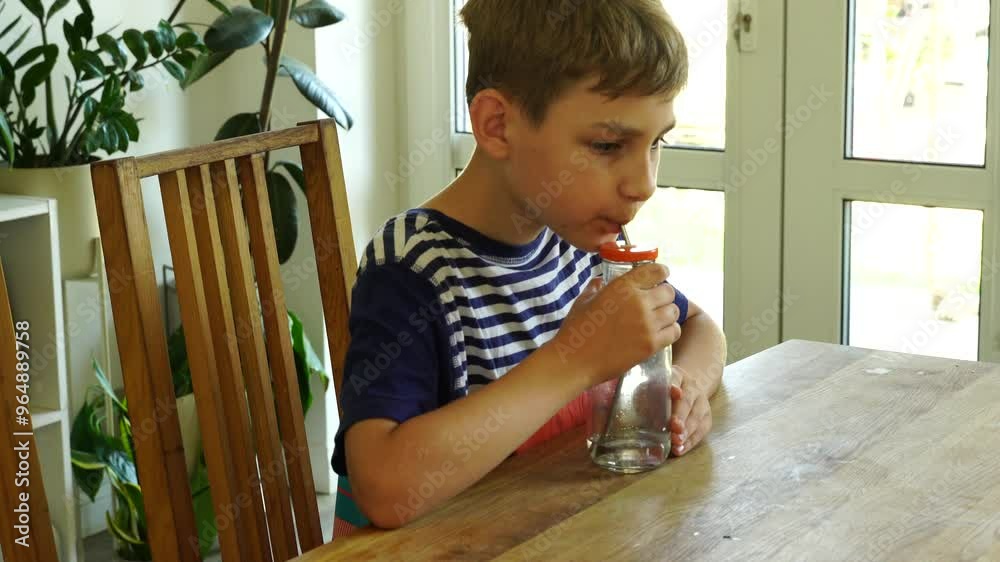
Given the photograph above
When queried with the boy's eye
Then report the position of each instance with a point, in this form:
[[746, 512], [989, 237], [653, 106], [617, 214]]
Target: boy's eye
[[605, 147]]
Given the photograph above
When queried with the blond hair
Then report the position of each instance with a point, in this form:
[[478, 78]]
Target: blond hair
[[533, 50]]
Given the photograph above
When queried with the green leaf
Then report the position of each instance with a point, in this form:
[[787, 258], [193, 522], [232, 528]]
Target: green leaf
[[35, 7], [179, 364], [105, 385], [135, 43], [183, 58], [153, 40], [220, 6], [167, 36], [305, 389], [120, 136], [88, 63], [17, 42], [204, 511], [130, 125], [174, 69], [6, 137], [90, 143], [303, 347], [135, 81], [88, 472], [203, 65], [125, 434], [10, 27], [187, 40], [284, 214], [123, 135], [296, 173], [56, 6], [87, 461], [34, 131], [111, 46], [121, 532], [72, 37], [239, 29], [317, 13], [90, 446], [239, 125], [307, 361], [84, 25], [314, 90], [108, 94], [85, 8], [88, 466], [6, 81], [132, 496], [33, 54], [36, 75], [110, 138], [122, 466]]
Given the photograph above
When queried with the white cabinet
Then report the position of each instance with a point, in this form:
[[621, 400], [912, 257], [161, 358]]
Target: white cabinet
[[29, 248]]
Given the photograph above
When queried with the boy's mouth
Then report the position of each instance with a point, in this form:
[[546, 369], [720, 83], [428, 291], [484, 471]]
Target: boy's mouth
[[608, 226], [616, 224]]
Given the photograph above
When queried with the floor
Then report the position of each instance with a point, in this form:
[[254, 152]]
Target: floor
[[99, 547]]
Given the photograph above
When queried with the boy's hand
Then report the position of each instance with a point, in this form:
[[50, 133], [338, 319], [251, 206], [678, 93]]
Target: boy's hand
[[692, 413], [610, 331]]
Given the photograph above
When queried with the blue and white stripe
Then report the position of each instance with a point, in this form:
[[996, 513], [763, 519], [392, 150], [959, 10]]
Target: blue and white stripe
[[500, 303]]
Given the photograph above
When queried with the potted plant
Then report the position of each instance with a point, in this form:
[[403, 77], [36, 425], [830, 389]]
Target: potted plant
[[50, 156], [98, 453]]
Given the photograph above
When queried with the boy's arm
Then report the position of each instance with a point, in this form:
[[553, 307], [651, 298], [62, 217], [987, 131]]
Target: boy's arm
[[400, 471], [699, 358]]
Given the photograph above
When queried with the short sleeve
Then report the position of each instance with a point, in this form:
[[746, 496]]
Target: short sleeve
[[682, 303], [394, 368]]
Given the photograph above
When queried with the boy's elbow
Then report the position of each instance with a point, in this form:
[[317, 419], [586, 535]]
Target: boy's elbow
[[382, 504], [385, 512]]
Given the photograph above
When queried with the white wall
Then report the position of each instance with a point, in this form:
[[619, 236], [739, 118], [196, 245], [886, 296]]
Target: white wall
[[357, 58]]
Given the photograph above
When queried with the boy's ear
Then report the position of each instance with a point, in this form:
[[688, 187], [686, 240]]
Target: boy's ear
[[491, 113]]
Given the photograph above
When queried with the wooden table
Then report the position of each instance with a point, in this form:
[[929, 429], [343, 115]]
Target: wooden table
[[819, 452]]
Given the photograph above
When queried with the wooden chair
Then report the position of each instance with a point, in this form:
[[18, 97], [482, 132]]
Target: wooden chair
[[245, 382], [37, 544]]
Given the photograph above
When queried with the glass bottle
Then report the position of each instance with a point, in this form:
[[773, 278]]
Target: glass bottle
[[629, 424]]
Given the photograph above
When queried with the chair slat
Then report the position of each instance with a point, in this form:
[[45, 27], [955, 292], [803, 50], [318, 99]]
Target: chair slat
[[250, 522], [333, 239], [202, 360], [39, 544], [142, 348], [279, 346], [246, 312], [174, 160]]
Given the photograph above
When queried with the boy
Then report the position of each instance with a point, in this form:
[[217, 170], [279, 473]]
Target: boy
[[465, 309]]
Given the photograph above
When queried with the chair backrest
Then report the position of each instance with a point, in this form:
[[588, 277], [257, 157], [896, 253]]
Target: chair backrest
[[229, 287], [26, 533]]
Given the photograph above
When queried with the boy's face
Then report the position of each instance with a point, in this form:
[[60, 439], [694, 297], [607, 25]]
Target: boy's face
[[591, 164]]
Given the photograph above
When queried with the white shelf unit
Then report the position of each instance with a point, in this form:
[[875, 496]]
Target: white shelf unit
[[29, 248]]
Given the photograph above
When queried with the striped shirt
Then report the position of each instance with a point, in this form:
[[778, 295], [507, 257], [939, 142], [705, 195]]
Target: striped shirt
[[439, 310]]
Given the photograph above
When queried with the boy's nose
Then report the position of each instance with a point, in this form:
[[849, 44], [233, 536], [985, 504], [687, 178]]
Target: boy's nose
[[641, 185]]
